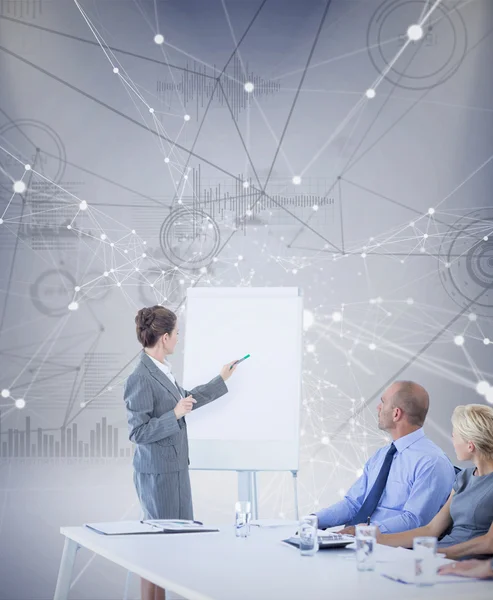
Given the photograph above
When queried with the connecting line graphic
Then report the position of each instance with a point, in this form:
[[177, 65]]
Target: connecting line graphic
[[413, 359], [218, 83], [113, 49]]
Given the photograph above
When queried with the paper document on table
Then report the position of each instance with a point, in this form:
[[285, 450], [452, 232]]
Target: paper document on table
[[404, 573], [271, 523]]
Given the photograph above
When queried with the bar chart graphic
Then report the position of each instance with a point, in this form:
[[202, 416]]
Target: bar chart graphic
[[105, 441]]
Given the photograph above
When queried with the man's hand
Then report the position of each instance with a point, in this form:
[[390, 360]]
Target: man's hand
[[184, 406], [228, 370], [351, 530], [479, 569]]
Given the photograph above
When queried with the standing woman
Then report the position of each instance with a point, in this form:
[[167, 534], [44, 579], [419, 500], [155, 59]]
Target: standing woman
[[156, 409]]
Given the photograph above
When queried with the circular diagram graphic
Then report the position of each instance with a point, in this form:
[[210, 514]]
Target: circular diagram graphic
[[467, 253], [189, 238], [426, 62], [37, 144], [52, 292]]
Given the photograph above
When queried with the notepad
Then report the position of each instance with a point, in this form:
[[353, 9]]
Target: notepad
[[150, 526]]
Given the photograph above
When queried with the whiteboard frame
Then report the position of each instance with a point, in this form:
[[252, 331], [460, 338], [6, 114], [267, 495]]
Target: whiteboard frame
[[240, 455]]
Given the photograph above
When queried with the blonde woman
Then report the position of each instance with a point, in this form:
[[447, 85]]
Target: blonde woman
[[464, 525]]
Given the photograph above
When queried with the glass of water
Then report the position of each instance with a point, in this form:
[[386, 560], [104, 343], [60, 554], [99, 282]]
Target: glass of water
[[308, 534], [243, 516], [366, 540], [425, 564]]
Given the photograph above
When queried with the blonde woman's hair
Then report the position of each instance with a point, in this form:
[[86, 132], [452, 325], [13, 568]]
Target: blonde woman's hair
[[474, 423]]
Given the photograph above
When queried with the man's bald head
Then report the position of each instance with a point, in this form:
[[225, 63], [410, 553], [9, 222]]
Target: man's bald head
[[412, 399]]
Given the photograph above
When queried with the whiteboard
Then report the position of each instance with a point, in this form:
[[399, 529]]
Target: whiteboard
[[256, 425]]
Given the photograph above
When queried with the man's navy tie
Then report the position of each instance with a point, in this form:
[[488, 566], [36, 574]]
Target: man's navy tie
[[371, 502]]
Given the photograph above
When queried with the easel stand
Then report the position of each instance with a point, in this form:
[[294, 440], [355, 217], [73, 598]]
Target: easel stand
[[247, 490]]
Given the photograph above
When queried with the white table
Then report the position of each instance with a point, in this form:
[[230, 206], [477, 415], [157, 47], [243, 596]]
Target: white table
[[219, 566]]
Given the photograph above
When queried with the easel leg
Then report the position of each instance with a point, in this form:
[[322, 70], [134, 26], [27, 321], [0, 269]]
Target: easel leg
[[66, 567], [247, 489], [295, 486]]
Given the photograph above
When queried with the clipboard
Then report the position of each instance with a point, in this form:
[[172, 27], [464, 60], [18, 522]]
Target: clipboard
[[149, 527]]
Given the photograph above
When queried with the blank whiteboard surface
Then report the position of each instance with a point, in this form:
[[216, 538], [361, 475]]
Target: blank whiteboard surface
[[256, 425]]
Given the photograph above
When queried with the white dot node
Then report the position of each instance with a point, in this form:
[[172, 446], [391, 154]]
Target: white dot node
[[144, 255], [77, 288], [151, 110], [411, 224], [19, 187], [83, 405], [473, 317], [447, 265], [372, 346], [363, 255], [422, 249], [325, 440], [182, 282], [425, 235], [459, 340], [249, 87], [370, 93], [5, 393], [166, 160], [308, 319], [187, 117], [486, 341], [133, 230], [310, 348], [159, 39], [83, 205], [118, 284], [27, 167], [482, 387], [116, 70], [315, 207], [240, 257], [410, 301], [296, 180], [337, 317], [359, 472], [69, 227], [106, 274], [246, 184], [485, 238], [489, 395], [103, 236], [1, 221], [415, 32], [20, 403], [431, 211], [73, 306]]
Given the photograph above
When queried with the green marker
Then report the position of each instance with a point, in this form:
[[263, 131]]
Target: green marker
[[239, 361]]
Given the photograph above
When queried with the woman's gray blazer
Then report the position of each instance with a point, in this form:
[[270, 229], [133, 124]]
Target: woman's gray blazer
[[161, 439]]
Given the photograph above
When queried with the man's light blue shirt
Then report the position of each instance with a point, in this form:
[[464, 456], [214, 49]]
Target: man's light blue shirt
[[420, 481]]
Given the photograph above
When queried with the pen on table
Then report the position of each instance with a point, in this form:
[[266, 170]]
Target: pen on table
[[368, 521], [184, 523]]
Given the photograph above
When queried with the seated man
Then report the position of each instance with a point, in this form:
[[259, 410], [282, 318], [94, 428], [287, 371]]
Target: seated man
[[403, 485]]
